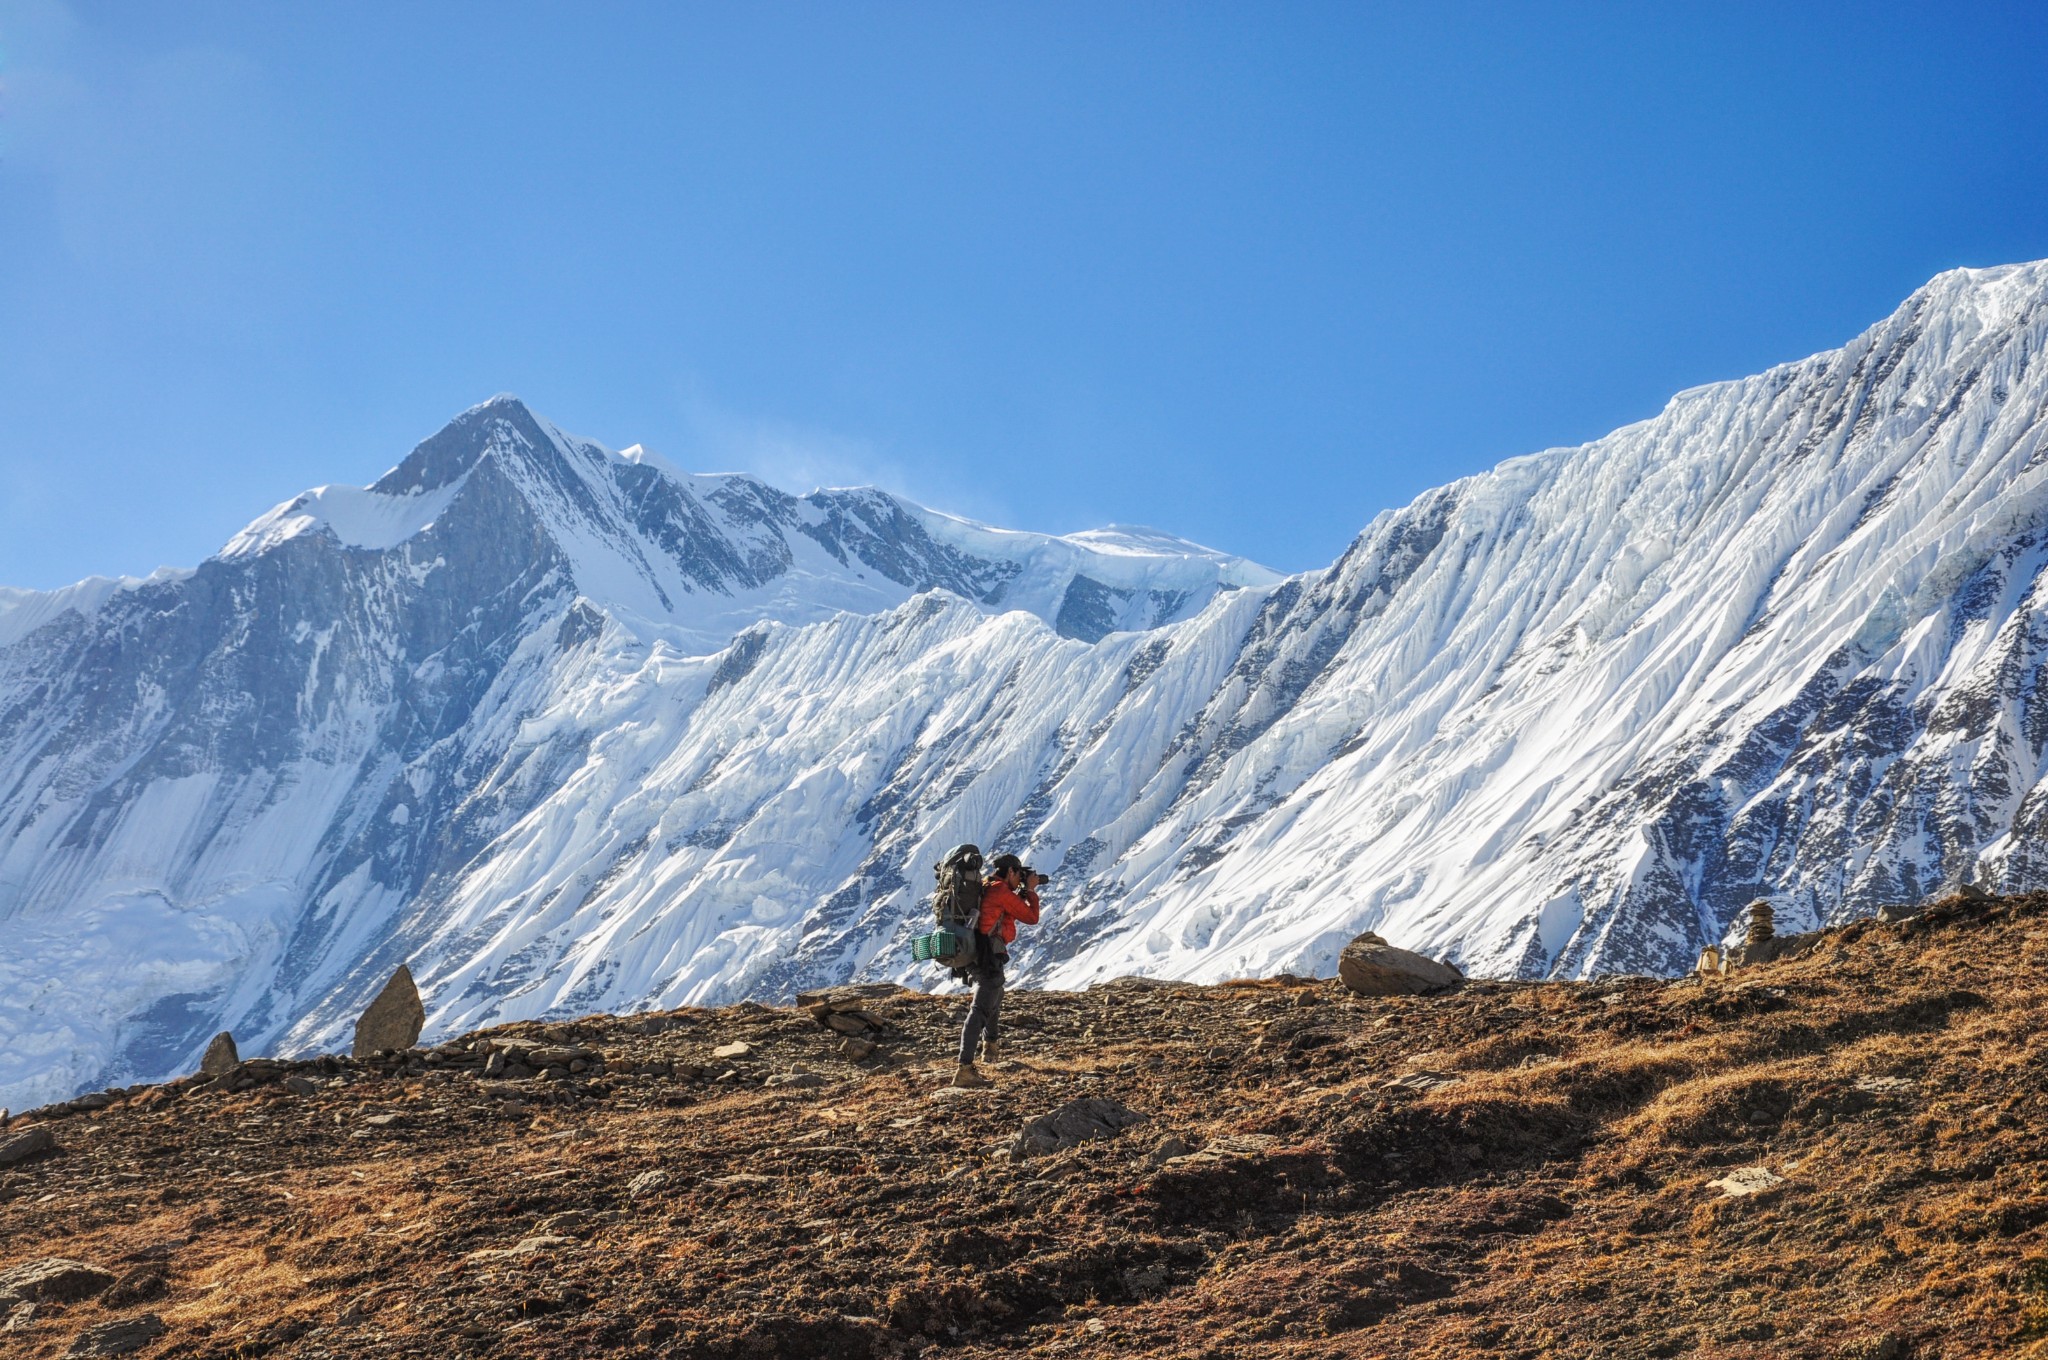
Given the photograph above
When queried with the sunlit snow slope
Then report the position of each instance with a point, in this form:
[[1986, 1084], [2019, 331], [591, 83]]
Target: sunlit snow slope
[[568, 731]]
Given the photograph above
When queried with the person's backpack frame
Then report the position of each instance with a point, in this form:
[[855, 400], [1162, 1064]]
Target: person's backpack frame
[[956, 907]]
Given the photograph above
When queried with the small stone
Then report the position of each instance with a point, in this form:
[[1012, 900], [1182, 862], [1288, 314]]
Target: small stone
[[20, 1318], [119, 1337], [1170, 1147], [301, 1086], [386, 1121], [801, 1081], [646, 1183], [1884, 1086], [137, 1286], [856, 1049], [19, 1147], [1233, 1147], [394, 1020], [528, 1246], [1076, 1122], [573, 1223], [1369, 966], [744, 1180], [1748, 1180], [851, 1022], [738, 1048], [221, 1057], [1419, 1081]]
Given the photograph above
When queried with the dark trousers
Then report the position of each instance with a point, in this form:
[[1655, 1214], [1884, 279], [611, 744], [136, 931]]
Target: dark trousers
[[988, 1001]]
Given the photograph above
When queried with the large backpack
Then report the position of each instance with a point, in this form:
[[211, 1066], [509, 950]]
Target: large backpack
[[956, 905]]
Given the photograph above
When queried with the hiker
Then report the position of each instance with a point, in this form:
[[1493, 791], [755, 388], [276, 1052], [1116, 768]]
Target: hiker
[[1009, 895]]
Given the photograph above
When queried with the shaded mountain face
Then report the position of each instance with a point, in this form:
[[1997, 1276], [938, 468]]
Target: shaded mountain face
[[569, 731]]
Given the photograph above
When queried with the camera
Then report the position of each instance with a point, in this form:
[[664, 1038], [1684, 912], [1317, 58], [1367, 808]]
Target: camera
[[1034, 879]]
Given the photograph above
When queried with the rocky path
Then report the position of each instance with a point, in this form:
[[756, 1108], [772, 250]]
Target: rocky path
[[1840, 1155]]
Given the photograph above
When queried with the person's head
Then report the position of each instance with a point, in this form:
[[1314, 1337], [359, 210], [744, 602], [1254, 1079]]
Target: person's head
[[1008, 868]]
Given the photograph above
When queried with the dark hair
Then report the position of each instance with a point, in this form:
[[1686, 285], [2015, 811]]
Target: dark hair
[[1005, 863]]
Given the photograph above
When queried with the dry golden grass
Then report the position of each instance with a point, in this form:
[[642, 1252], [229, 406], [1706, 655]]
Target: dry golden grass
[[1541, 1186]]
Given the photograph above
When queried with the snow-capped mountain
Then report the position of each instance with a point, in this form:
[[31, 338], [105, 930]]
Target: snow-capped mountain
[[568, 730]]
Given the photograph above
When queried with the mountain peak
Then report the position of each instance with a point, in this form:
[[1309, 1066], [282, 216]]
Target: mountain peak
[[444, 456]]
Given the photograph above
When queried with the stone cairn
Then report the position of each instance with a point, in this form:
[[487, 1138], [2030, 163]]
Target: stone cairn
[[1763, 926]]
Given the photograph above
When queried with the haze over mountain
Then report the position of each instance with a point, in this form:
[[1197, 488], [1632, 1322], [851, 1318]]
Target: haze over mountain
[[570, 731]]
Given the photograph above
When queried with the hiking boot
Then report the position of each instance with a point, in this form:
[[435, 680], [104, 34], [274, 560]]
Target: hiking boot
[[965, 1075], [991, 1052]]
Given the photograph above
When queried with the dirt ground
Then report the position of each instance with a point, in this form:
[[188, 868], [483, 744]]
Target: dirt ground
[[1506, 1170]]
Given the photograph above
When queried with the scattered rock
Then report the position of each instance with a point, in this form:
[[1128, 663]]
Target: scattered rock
[[1234, 1147], [572, 1223], [1900, 911], [139, 1285], [19, 1147], [221, 1057], [850, 997], [1419, 1082], [558, 1057], [856, 1049], [1370, 966], [1170, 1147], [1076, 1122], [801, 1081], [646, 1183], [394, 1020], [743, 1179], [1883, 1346], [119, 1337], [386, 1121], [738, 1048], [528, 1246], [1748, 1180], [301, 1086], [1884, 1086], [55, 1279], [20, 1317]]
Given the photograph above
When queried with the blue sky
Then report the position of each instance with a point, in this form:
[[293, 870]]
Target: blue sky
[[1250, 273]]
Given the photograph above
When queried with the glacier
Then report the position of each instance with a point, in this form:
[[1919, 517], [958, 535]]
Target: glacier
[[572, 730]]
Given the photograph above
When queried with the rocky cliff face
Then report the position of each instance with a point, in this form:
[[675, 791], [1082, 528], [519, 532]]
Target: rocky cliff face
[[567, 730]]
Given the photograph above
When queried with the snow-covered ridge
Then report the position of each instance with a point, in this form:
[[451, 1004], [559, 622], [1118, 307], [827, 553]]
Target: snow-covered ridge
[[597, 503], [568, 730]]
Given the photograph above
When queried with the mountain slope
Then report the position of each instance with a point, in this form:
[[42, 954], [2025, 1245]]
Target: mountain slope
[[223, 790], [1833, 1157], [568, 731]]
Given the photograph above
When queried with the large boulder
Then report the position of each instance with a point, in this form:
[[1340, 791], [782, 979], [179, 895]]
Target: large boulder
[[1370, 966], [394, 1019], [221, 1057]]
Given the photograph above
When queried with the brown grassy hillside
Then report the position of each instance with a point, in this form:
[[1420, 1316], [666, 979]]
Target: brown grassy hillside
[[1508, 1170]]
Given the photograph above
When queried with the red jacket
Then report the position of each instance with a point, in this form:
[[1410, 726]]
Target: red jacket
[[1002, 909]]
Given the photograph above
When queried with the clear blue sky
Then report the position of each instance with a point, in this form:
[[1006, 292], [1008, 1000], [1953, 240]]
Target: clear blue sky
[[1247, 272]]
